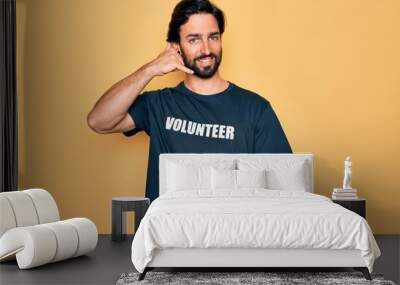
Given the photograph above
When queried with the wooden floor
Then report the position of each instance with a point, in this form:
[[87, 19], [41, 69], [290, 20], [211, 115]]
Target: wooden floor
[[111, 259]]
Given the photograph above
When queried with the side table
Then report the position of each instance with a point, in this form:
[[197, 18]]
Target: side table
[[357, 205], [121, 205]]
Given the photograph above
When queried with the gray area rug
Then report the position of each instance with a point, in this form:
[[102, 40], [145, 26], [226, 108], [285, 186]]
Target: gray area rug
[[270, 278]]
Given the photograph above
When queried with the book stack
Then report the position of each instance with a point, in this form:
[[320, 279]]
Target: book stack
[[344, 194]]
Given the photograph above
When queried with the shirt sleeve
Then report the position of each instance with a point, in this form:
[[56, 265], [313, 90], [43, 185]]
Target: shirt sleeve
[[269, 135], [139, 111]]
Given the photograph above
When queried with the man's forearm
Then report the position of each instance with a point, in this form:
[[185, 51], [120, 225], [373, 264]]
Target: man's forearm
[[112, 107]]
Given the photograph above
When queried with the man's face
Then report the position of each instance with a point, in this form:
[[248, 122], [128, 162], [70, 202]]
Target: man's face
[[200, 45]]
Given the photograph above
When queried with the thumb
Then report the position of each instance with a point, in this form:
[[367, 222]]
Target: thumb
[[185, 69]]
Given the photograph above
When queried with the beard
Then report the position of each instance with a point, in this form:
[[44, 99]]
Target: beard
[[206, 71]]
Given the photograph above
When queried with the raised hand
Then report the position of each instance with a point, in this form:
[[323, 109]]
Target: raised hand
[[167, 61]]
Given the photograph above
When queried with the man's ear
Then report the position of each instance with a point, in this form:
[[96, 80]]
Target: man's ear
[[177, 47]]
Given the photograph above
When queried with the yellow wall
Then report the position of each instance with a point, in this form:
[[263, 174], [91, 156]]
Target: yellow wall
[[331, 70]]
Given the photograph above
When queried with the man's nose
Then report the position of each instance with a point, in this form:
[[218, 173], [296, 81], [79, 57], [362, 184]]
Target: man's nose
[[205, 48]]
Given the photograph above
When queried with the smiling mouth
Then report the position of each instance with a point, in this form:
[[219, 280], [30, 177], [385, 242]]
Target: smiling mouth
[[206, 60]]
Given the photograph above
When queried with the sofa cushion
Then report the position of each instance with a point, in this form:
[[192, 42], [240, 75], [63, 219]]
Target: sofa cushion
[[23, 208], [7, 220]]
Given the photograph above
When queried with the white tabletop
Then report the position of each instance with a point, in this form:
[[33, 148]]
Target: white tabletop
[[129, 198]]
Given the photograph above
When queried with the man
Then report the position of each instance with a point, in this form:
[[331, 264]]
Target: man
[[202, 114]]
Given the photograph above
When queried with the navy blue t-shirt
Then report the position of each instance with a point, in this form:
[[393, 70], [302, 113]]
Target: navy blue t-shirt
[[179, 120]]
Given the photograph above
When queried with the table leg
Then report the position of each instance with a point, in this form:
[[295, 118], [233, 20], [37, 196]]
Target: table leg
[[118, 222]]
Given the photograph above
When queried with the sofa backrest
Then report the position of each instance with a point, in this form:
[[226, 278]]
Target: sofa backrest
[[212, 159], [26, 208]]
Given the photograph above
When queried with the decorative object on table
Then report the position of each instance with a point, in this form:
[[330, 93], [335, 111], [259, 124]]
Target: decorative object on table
[[31, 231], [347, 192], [344, 194], [248, 278], [347, 174], [120, 205], [357, 205]]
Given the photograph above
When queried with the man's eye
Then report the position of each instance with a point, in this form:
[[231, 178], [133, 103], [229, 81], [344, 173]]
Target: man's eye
[[192, 41], [215, 38]]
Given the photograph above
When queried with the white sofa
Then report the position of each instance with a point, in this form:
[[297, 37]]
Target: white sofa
[[31, 231]]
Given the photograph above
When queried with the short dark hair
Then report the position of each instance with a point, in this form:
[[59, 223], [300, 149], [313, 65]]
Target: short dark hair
[[185, 8]]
